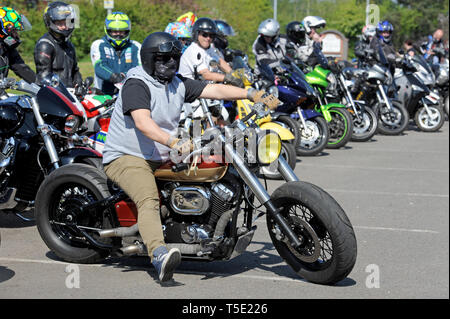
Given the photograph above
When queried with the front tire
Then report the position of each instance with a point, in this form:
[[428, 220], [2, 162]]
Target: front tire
[[328, 253], [392, 122], [427, 123], [68, 187], [365, 129], [292, 125], [314, 137], [341, 128], [289, 154]]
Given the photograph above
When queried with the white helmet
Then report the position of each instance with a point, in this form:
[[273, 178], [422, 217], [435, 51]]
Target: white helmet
[[368, 31], [313, 22], [269, 28]]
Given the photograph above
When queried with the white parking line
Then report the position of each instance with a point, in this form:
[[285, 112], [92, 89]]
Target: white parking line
[[352, 167], [425, 231], [330, 190]]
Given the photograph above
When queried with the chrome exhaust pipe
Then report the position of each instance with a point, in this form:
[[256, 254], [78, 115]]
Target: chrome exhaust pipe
[[119, 232]]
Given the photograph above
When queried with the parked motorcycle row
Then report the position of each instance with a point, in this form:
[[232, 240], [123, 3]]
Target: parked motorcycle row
[[51, 140]]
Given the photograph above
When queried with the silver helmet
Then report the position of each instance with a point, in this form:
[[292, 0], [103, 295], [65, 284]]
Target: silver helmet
[[269, 28]]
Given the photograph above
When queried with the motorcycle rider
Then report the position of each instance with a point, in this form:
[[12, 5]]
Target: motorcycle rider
[[54, 53], [220, 44], [305, 41], [269, 47], [200, 55], [433, 47], [143, 129], [180, 31], [362, 47], [114, 54], [11, 23], [383, 46]]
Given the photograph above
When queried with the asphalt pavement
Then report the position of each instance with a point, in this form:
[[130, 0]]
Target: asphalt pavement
[[395, 190]]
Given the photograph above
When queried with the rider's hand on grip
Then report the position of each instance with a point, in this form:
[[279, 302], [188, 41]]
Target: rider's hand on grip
[[270, 100], [184, 146]]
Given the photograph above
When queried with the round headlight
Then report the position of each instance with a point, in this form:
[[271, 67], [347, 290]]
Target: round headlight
[[72, 124], [269, 147]]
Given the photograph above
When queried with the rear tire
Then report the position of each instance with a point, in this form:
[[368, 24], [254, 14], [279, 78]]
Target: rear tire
[[67, 187], [329, 249]]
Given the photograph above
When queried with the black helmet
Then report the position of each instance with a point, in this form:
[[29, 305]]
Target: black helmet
[[159, 43], [11, 117], [59, 11], [205, 25], [296, 32]]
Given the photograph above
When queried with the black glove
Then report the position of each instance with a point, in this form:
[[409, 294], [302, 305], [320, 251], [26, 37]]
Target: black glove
[[116, 78], [230, 79]]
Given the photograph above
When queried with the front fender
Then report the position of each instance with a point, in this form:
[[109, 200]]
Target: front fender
[[76, 154], [325, 109], [284, 133]]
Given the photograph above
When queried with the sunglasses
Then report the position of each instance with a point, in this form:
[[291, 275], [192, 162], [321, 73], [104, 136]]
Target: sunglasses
[[207, 35]]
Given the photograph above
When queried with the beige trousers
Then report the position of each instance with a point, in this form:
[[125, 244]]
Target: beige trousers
[[135, 176]]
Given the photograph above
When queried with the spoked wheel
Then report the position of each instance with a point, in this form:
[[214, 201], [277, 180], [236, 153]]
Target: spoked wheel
[[431, 120], [328, 251], [63, 229], [314, 137], [289, 154], [341, 128]]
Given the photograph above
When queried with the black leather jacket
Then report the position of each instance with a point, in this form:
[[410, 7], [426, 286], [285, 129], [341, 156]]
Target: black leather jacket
[[11, 59], [56, 57]]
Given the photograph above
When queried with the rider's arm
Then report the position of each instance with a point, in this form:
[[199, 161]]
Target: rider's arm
[[223, 92], [211, 76], [19, 67], [144, 122], [98, 59], [43, 58]]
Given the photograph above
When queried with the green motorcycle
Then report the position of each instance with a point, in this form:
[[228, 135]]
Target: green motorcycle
[[339, 119]]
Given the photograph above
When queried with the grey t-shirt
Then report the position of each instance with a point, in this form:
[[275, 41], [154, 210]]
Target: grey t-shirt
[[165, 104]]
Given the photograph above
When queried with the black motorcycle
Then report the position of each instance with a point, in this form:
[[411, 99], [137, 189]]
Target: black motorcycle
[[39, 132]]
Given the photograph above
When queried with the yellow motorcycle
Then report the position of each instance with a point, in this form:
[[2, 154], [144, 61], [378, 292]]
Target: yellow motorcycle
[[280, 123]]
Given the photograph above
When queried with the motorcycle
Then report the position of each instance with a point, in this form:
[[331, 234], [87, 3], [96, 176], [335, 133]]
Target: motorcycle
[[338, 118], [375, 86], [415, 79], [334, 87], [38, 134], [314, 131], [281, 123], [442, 85], [202, 197]]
